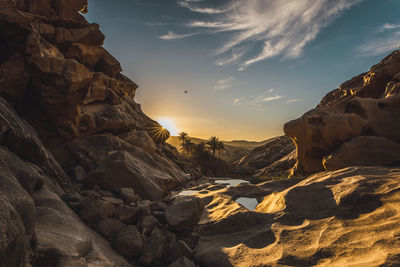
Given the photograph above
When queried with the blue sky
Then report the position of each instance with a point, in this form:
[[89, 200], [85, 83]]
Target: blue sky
[[249, 66]]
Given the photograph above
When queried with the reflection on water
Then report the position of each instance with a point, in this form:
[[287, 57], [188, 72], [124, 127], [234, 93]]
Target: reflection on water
[[231, 182], [248, 203]]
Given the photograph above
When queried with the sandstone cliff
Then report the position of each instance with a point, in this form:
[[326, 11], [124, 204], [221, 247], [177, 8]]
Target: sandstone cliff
[[67, 116], [357, 124]]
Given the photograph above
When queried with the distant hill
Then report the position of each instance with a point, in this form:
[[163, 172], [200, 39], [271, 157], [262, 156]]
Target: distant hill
[[235, 149]]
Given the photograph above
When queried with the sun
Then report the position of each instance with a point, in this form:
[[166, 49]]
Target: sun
[[168, 124]]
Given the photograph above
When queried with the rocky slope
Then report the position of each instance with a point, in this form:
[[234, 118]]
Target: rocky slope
[[273, 159], [68, 119], [357, 124]]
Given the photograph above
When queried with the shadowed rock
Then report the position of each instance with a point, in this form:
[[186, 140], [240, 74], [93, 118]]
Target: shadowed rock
[[367, 105]]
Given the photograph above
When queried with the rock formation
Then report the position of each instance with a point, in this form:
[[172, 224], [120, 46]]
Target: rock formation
[[58, 77], [348, 217], [368, 105], [67, 119], [85, 175], [272, 159]]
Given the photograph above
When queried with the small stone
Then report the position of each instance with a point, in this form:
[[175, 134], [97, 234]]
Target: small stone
[[79, 173], [127, 194], [147, 224], [145, 205]]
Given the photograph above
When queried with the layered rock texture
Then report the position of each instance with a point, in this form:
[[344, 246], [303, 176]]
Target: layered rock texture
[[273, 159], [68, 119], [357, 124], [58, 77]]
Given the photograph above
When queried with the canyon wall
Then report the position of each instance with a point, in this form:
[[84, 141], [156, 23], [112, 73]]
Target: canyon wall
[[356, 124]]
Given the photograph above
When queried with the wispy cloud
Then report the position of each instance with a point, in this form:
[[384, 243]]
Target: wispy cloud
[[237, 54], [224, 84], [387, 39], [282, 27], [258, 102], [294, 100], [271, 98], [193, 6], [389, 26], [173, 36]]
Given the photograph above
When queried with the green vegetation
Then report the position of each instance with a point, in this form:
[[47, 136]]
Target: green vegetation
[[203, 154]]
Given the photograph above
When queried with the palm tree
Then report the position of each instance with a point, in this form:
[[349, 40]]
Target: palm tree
[[213, 144], [188, 147], [220, 147], [182, 137]]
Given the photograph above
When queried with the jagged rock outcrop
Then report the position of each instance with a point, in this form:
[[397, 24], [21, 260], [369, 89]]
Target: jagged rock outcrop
[[35, 224], [68, 116], [58, 77], [367, 105], [271, 159]]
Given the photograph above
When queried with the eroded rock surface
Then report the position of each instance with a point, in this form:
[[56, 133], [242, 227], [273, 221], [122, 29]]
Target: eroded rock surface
[[273, 159], [325, 220], [58, 77], [67, 113], [36, 225], [367, 105]]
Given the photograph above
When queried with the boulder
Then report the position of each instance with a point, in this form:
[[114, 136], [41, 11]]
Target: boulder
[[128, 194], [110, 227], [140, 139], [129, 214], [180, 249], [364, 151], [14, 78], [96, 210], [156, 245], [184, 214], [89, 34], [123, 165], [129, 242]]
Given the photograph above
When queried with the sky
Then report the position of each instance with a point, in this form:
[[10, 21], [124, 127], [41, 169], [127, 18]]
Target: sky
[[248, 66]]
